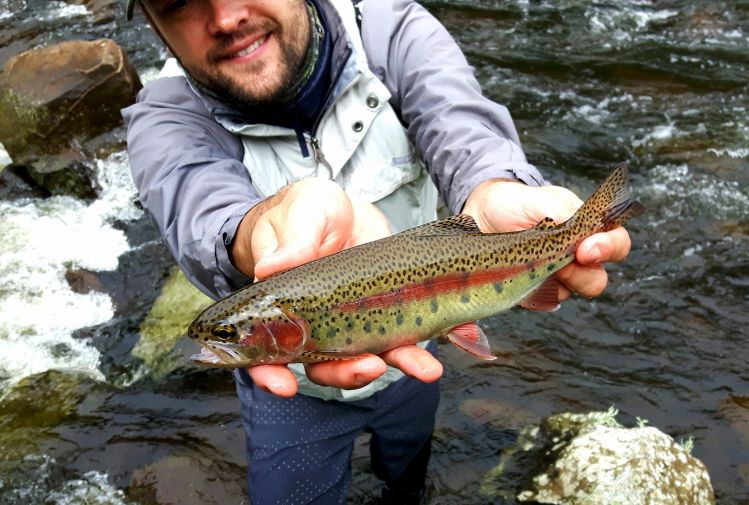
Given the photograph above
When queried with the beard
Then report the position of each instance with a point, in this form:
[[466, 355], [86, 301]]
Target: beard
[[247, 90]]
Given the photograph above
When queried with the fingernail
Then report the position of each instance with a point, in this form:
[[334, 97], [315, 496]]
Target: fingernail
[[366, 372], [278, 387], [367, 366]]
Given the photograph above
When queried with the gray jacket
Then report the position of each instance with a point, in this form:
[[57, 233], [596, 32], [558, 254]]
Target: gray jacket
[[189, 169]]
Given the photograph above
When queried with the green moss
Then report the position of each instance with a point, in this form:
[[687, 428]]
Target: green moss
[[171, 314], [20, 120], [33, 407]]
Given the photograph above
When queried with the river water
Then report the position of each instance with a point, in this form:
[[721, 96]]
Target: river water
[[662, 84]]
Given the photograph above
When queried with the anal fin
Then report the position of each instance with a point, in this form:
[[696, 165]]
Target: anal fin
[[545, 298], [471, 338]]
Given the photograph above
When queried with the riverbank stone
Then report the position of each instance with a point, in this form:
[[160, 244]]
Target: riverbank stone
[[54, 99], [585, 459]]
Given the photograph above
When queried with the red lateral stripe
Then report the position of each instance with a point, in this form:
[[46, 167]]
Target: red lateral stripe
[[450, 283]]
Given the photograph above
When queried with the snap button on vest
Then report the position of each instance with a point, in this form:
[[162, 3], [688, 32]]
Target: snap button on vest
[[357, 126], [372, 102]]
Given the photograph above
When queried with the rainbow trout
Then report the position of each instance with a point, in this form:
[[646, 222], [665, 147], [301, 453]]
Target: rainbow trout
[[430, 281]]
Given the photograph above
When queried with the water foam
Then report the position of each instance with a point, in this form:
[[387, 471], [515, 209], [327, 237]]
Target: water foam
[[47, 484], [678, 192], [61, 10], [42, 239], [4, 156]]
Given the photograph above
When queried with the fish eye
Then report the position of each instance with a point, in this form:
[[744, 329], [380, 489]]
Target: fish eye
[[224, 331]]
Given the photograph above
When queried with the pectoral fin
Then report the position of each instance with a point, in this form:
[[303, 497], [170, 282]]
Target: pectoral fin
[[471, 338]]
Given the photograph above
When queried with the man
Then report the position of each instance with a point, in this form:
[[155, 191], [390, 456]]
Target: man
[[288, 132]]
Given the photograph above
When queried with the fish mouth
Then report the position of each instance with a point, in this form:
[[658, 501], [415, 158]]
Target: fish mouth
[[218, 356]]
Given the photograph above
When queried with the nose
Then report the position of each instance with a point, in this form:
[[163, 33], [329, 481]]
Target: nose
[[228, 15]]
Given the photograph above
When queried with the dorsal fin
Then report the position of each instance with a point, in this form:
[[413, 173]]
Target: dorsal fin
[[459, 224], [546, 223]]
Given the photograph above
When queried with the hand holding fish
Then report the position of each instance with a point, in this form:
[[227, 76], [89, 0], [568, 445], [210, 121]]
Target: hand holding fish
[[343, 294], [500, 206], [308, 220]]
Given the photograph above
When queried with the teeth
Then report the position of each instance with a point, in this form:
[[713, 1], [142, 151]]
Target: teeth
[[251, 48]]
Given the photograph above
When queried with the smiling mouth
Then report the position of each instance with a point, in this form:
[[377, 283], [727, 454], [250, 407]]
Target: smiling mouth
[[249, 49]]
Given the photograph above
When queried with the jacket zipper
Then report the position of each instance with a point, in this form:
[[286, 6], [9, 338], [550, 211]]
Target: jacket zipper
[[319, 156], [314, 141]]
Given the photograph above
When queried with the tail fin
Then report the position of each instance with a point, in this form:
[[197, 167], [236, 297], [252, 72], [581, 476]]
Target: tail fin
[[611, 204]]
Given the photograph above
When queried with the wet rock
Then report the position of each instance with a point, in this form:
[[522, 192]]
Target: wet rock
[[167, 322], [83, 281], [580, 459], [135, 284], [54, 99], [188, 481], [15, 182], [103, 11]]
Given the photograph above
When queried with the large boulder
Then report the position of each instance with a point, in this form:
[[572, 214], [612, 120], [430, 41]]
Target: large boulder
[[582, 459], [55, 99]]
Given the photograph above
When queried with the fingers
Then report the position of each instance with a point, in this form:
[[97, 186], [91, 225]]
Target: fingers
[[586, 275], [275, 379], [613, 245], [414, 362], [586, 280], [347, 373], [356, 373]]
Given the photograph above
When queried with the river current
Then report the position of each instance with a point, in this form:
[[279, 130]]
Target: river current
[[661, 84]]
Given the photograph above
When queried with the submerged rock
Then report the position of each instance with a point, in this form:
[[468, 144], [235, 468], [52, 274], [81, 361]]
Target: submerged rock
[[585, 459], [188, 480]]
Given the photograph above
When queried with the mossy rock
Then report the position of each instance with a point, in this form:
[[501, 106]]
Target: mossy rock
[[33, 407], [591, 459], [167, 322]]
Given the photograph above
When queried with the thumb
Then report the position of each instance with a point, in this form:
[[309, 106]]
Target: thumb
[[279, 246]]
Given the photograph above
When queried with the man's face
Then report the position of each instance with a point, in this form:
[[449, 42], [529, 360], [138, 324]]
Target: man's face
[[247, 50]]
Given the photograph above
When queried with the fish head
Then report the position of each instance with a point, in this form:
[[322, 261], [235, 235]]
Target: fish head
[[255, 330]]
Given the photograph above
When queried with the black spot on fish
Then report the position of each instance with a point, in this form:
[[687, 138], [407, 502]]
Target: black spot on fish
[[368, 326], [399, 319], [532, 274], [551, 266], [418, 320], [381, 329], [498, 287]]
